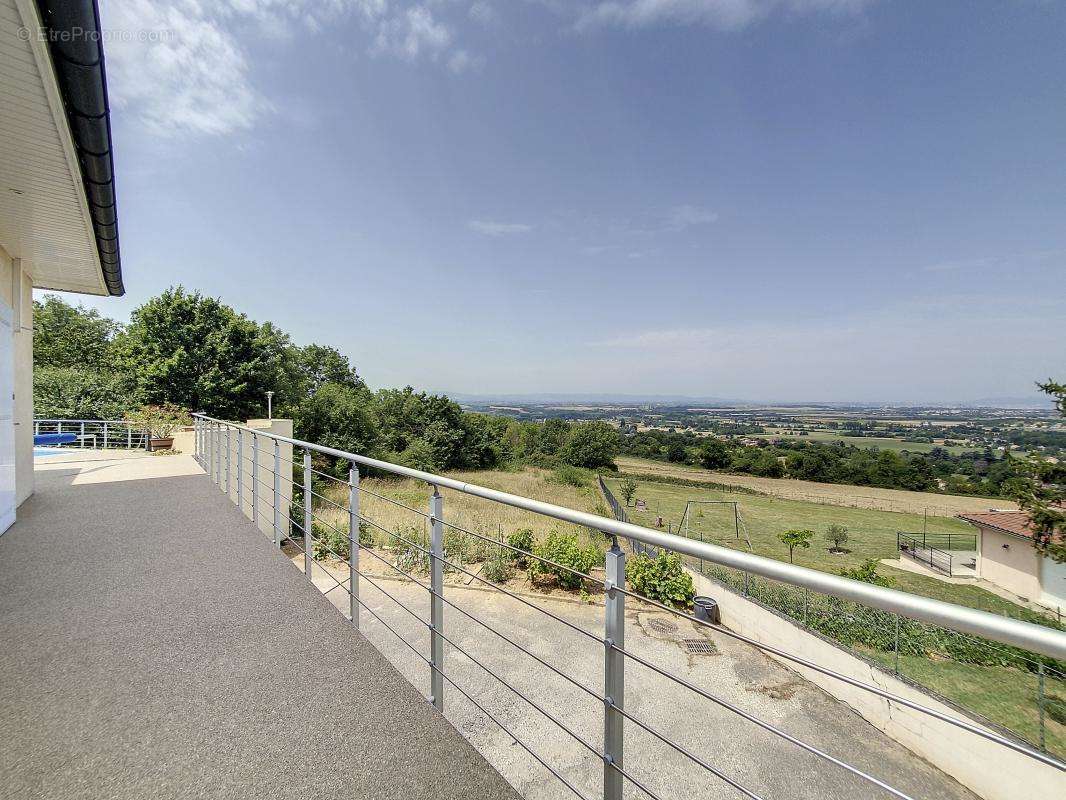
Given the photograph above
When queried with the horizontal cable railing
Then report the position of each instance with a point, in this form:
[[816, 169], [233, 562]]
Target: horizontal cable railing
[[288, 500], [94, 434]]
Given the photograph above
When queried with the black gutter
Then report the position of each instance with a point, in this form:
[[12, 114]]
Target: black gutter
[[73, 32]]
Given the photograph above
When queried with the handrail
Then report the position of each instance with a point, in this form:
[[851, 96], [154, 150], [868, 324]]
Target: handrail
[[1037, 638]]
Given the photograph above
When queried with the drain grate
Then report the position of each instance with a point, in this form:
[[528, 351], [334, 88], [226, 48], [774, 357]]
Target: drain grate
[[699, 647], [662, 625]]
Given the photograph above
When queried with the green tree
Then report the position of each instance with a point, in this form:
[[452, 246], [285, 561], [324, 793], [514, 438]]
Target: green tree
[[340, 417], [1040, 489], [837, 536], [591, 445], [198, 353], [714, 454], [72, 337], [795, 538], [317, 365], [72, 393], [628, 487]]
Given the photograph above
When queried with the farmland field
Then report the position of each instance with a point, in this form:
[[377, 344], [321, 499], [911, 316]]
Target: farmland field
[[882, 442], [867, 497]]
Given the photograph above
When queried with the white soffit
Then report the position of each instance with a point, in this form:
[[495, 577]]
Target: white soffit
[[44, 216]]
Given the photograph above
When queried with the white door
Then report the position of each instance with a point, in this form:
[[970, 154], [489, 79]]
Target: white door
[[7, 418]]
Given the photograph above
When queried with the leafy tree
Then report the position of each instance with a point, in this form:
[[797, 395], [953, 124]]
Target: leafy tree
[[714, 454], [72, 337], [198, 353], [837, 536], [675, 452], [72, 393], [795, 538], [340, 417], [628, 487], [318, 364], [1040, 490], [591, 444]]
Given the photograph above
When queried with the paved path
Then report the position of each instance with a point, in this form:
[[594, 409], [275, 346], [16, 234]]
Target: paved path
[[153, 644]]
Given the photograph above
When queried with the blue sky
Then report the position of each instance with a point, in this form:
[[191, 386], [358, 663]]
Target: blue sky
[[759, 199]]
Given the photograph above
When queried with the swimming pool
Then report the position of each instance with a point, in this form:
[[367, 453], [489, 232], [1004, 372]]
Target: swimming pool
[[46, 452]]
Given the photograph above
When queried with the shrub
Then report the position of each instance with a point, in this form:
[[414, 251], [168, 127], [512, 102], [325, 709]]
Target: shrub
[[569, 476], [409, 557], [327, 539], [522, 539], [867, 573], [663, 579], [564, 549], [498, 567]]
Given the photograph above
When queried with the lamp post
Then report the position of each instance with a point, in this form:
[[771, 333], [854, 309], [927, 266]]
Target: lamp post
[[270, 405]]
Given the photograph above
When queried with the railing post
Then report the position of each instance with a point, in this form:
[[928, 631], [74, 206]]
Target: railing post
[[240, 470], [353, 539], [229, 445], [613, 671], [277, 493], [308, 539], [105, 436], [436, 605], [129, 438], [81, 437], [255, 480], [1040, 700]]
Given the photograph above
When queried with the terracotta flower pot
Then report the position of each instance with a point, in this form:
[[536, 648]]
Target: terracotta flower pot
[[161, 444]]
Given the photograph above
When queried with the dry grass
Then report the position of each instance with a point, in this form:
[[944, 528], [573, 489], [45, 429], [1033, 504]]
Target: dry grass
[[484, 517], [938, 505]]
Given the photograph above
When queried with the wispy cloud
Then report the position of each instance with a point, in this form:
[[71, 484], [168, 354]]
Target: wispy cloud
[[193, 77], [721, 14], [493, 228]]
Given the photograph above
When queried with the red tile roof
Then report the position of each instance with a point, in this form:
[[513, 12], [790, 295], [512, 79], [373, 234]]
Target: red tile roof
[[1016, 522]]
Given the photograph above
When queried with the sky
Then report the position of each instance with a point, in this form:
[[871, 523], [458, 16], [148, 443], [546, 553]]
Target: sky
[[835, 200]]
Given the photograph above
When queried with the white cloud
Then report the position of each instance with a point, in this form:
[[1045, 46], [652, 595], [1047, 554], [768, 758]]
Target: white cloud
[[720, 14], [484, 13], [491, 228], [195, 78], [681, 217]]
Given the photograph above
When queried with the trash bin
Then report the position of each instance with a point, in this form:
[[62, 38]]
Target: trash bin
[[707, 609]]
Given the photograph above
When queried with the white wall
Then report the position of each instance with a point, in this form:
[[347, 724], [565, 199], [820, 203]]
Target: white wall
[[16, 289], [1052, 583], [1010, 562], [990, 770]]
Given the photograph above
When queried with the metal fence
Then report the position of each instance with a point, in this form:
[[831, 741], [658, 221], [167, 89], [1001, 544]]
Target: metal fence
[[95, 434], [938, 559], [225, 449]]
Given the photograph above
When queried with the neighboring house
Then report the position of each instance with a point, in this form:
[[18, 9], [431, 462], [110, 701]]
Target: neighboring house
[[58, 223], [1007, 558]]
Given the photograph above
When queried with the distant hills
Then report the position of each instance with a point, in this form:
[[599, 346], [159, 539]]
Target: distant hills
[[1034, 402]]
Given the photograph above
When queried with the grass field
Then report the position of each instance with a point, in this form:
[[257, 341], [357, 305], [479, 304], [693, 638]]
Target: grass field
[[871, 534], [882, 442], [866, 497]]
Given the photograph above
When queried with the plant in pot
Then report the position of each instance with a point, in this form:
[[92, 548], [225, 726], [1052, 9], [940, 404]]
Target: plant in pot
[[159, 423]]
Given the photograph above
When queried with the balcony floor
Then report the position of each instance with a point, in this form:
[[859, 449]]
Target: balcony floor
[[152, 644]]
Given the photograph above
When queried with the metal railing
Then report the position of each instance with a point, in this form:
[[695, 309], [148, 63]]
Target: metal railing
[[939, 560], [219, 444], [95, 434], [949, 542]]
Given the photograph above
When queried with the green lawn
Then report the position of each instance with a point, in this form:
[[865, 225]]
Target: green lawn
[[1003, 695], [871, 534]]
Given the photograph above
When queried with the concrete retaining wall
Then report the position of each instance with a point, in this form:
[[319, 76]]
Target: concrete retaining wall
[[991, 770]]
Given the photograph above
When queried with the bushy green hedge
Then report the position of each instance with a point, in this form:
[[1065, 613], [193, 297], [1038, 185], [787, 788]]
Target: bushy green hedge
[[663, 579]]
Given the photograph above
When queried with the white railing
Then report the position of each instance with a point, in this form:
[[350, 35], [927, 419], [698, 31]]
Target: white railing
[[95, 434], [238, 458]]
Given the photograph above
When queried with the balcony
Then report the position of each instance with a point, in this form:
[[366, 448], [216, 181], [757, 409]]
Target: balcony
[[168, 631]]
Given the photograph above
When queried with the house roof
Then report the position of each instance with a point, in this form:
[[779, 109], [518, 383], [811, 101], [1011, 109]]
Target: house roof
[[1013, 522]]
